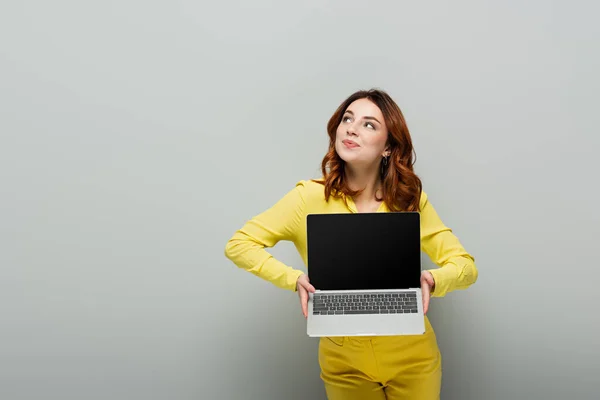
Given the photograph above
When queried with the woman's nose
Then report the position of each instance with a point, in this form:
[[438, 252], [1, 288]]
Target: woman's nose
[[351, 130]]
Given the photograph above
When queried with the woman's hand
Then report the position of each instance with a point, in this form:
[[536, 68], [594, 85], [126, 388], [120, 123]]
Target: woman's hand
[[303, 286], [427, 286]]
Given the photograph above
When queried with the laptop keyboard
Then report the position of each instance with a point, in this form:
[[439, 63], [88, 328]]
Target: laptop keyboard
[[365, 303]]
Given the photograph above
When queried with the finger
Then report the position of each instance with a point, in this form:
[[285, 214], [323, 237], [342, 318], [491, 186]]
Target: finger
[[425, 291], [430, 281], [304, 302], [308, 287]]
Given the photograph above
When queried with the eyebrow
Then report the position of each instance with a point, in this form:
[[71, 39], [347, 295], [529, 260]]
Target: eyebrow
[[373, 118]]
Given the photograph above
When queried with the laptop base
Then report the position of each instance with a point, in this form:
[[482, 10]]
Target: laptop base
[[366, 324]]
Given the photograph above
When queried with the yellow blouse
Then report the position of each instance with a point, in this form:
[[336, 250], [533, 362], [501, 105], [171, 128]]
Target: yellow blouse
[[286, 220]]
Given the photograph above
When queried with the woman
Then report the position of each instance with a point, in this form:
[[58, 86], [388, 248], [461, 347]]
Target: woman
[[368, 168]]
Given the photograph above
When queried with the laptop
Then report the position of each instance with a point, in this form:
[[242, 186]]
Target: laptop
[[366, 270]]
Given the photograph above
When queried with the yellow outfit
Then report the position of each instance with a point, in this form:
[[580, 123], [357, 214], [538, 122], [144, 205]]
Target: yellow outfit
[[358, 367]]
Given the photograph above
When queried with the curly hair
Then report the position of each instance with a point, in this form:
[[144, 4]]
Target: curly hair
[[401, 186]]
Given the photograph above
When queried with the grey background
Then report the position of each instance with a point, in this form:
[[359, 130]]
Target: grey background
[[137, 136]]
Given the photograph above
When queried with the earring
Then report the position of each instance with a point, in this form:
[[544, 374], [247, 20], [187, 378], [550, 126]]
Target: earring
[[383, 165]]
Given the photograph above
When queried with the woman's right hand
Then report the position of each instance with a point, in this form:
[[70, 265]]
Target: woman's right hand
[[303, 287]]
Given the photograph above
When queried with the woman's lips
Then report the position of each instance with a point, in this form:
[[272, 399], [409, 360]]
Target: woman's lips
[[350, 143]]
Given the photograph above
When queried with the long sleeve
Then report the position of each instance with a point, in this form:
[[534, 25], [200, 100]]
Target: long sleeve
[[283, 221], [457, 267]]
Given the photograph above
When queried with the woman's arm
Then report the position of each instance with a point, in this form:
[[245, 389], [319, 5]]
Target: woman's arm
[[282, 221], [457, 267]]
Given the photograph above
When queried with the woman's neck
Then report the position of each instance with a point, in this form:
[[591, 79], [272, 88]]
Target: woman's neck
[[366, 180]]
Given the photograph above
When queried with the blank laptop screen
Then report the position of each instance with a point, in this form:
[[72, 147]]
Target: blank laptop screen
[[364, 251]]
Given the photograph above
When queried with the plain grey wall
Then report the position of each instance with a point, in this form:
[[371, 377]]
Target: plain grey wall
[[136, 136]]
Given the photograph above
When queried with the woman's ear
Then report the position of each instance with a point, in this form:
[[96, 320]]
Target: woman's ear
[[387, 151]]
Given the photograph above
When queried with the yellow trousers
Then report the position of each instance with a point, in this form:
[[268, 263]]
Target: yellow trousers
[[381, 367]]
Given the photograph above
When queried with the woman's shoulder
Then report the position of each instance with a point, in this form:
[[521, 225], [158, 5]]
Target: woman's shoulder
[[424, 201], [312, 192], [423, 198], [311, 187]]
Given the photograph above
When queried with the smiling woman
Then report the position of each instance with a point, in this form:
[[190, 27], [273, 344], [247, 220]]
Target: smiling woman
[[368, 133], [359, 125], [368, 168]]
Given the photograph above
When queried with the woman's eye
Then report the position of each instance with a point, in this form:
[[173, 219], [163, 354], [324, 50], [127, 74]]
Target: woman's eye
[[370, 125], [346, 119]]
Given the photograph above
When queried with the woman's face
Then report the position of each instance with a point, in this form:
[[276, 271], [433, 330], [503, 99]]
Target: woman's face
[[361, 137]]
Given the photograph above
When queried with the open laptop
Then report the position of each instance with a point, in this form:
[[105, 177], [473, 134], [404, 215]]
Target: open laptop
[[366, 270]]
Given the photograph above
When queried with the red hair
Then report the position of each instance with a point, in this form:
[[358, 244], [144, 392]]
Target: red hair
[[401, 186]]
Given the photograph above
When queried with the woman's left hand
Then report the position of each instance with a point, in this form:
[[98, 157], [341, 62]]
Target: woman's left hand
[[427, 286]]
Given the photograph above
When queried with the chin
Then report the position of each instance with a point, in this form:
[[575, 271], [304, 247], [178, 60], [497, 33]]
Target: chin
[[349, 159], [344, 153]]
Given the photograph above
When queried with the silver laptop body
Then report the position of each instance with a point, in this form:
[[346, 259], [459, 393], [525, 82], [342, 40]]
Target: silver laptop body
[[366, 270]]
